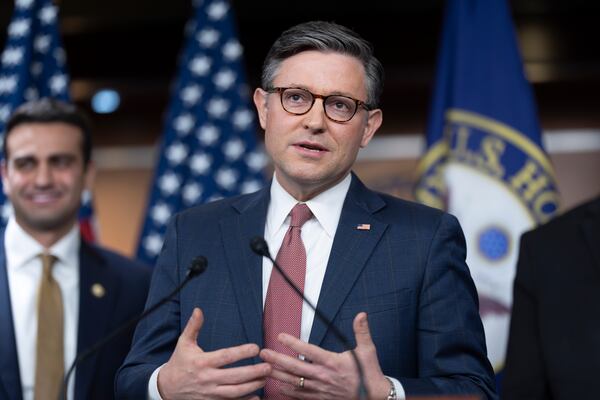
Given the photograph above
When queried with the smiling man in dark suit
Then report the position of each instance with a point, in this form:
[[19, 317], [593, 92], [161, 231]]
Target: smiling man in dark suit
[[58, 294], [554, 341], [355, 253]]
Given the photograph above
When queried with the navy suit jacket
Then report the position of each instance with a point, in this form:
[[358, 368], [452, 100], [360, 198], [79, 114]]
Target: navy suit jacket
[[407, 272], [554, 342], [126, 285]]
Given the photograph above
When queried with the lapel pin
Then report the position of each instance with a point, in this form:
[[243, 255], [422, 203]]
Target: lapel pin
[[363, 227], [98, 290]]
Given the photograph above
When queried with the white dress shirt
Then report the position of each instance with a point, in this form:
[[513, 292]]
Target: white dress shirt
[[24, 270], [317, 235]]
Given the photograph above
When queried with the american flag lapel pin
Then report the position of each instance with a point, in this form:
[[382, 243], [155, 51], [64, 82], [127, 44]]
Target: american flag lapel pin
[[363, 227]]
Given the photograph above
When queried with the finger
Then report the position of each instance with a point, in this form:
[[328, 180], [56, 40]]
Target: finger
[[314, 353], [296, 393], [241, 390], [193, 326], [287, 378], [290, 386], [288, 364], [238, 375], [230, 355], [362, 334]]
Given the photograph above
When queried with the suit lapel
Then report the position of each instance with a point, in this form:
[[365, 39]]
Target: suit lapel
[[245, 267], [591, 231], [97, 296], [351, 249], [10, 380]]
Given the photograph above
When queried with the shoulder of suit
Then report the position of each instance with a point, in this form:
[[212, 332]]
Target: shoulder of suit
[[215, 208], [417, 219], [563, 225], [118, 262], [397, 204]]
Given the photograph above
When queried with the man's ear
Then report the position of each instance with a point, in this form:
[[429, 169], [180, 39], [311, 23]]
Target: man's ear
[[260, 101], [374, 121], [4, 173], [89, 175]]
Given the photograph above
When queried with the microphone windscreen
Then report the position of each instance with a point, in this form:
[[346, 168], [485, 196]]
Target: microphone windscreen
[[259, 246], [198, 266]]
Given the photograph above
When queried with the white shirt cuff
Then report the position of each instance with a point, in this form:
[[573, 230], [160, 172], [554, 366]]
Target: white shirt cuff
[[400, 394], [153, 393]]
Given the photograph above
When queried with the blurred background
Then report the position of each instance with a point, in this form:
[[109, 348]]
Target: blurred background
[[132, 47], [123, 58]]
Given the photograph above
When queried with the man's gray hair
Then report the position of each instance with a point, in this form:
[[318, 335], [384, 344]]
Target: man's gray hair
[[326, 37]]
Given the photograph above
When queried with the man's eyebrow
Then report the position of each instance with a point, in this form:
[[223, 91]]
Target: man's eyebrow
[[61, 155], [50, 157], [333, 93], [24, 157]]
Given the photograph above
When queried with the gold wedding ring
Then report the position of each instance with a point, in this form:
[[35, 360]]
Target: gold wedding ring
[[301, 382]]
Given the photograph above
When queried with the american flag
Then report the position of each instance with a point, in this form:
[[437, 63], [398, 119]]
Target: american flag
[[33, 66], [209, 149]]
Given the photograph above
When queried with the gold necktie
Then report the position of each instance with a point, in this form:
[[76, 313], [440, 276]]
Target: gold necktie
[[49, 366]]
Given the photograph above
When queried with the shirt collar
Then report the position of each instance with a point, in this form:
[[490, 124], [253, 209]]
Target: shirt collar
[[21, 248], [326, 207]]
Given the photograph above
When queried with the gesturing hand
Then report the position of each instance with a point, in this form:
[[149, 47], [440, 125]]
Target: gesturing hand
[[329, 375], [192, 373]]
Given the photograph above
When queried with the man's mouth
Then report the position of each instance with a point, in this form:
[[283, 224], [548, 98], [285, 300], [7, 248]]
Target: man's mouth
[[43, 198], [311, 146]]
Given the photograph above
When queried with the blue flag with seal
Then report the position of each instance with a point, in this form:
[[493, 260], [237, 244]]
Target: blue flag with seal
[[33, 66], [485, 162], [209, 148]]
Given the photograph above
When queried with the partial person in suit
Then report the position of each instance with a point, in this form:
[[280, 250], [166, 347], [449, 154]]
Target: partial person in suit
[[58, 294], [356, 253], [554, 341]]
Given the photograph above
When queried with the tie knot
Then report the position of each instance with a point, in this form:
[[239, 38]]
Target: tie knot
[[300, 214], [48, 261]]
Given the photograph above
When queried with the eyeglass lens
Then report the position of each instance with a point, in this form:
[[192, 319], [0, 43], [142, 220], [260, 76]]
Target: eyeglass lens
[[300, 101]]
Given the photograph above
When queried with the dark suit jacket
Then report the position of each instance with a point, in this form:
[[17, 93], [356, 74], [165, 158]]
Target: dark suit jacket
[[554, 343], [407, 272], [126, 284]]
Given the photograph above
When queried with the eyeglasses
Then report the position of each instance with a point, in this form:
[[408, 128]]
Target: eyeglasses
[[299, 101]]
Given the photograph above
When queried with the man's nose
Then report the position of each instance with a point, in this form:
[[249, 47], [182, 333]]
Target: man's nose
[[43, 176], [315, 119]]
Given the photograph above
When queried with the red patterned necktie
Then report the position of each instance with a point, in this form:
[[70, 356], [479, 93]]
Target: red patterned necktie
[[283, 306]]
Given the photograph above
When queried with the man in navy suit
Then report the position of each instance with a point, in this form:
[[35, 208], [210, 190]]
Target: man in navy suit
[[553, 347], [367, 255], [51, 312]]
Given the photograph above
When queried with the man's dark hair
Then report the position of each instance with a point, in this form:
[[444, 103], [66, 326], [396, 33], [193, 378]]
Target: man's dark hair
[[326, 37], [51, 110]]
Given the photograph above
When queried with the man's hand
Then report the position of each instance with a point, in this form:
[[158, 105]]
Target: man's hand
[[329, 375], [192, 373]]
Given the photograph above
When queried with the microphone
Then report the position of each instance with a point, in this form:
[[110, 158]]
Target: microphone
[[260, 247], [197, 267]]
